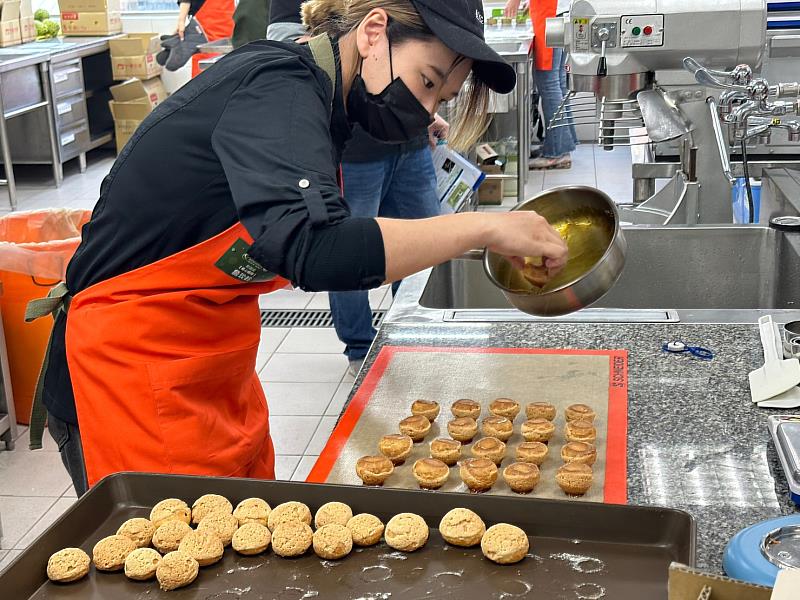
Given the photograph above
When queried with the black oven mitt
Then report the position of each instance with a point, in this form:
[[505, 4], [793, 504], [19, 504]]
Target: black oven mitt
[[167, 43], [182, 51]]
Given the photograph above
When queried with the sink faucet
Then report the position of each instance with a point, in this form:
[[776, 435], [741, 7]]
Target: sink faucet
[[751, 106]]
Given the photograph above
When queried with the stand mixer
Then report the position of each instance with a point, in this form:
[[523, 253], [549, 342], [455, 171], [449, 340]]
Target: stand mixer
[[673, 73]]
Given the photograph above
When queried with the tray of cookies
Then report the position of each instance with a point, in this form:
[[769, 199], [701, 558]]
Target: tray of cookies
[[148, 536], [542, 423]]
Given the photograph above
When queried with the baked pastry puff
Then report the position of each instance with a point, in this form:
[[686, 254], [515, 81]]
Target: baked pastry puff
[[396, 447], [480, 474], [374, 470], [430, 473]]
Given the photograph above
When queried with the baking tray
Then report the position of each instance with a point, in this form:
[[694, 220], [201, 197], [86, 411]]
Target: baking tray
[[400, 374], [582, 550]]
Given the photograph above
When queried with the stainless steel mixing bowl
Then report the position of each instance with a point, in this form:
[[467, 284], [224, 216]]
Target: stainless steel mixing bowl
[[588, 220]]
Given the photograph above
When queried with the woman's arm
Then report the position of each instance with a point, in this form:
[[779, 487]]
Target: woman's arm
[[183, 15], [274, 145], [413, 245]]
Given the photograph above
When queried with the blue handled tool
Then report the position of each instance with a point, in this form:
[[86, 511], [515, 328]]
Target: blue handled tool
[[678, 347]]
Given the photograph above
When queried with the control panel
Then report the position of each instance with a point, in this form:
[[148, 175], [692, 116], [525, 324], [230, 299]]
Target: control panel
[[642, 31]]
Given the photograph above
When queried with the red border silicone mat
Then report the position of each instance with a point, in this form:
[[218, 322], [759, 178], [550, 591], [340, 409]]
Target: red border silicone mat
[[614, 472]]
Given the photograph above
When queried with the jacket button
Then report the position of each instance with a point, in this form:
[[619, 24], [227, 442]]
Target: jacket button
[[303, 183]]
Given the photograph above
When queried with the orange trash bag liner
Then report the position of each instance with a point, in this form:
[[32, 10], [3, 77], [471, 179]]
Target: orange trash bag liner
[[35, 248]]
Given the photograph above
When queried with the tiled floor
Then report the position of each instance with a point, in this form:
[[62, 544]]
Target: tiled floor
[[304, 372]]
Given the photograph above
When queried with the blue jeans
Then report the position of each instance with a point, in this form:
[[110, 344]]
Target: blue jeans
[[552, 86], [401, 186]]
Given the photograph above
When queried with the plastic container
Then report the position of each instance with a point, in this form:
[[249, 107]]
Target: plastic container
[[741, 207], [35, 248]]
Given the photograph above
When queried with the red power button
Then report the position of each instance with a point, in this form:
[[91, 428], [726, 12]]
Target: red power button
[[648, 30]]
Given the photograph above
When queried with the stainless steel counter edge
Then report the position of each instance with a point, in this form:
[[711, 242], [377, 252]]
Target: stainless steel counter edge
[[33, 53], [20, 61]]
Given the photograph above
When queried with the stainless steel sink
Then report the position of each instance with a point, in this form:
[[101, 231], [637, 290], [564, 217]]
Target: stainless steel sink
[[691, 274]]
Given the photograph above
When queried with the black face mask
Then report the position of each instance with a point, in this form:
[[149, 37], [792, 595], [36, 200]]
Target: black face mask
[[394, 115]]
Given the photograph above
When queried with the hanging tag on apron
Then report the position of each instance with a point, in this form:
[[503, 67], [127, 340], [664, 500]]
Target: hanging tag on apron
[[238, 264]]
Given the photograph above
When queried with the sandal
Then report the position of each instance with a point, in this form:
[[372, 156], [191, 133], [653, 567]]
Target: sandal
[[561, 162]]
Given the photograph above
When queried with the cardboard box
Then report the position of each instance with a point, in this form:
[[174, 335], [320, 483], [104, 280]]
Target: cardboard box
[[89, 6], [687, 583], [491, 191], [486, 154], [133, 101], [27, 25], [136, 90], [135, 56], [10, 31], [91, 23]]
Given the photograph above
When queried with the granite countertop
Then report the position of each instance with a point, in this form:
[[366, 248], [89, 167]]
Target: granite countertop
[[695, 440]]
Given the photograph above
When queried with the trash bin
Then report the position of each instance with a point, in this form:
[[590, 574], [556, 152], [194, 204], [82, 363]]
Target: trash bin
[[35, 248]]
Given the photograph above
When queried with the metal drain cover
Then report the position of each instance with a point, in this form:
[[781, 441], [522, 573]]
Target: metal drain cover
[[307, 318]]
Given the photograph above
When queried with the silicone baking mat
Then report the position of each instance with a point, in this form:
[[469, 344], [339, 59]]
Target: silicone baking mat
[[402, 374]]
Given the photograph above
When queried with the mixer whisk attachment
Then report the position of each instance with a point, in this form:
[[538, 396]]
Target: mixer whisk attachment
[[617, 122]]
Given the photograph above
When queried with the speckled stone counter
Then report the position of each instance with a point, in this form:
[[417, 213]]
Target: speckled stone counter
[[695, 441]]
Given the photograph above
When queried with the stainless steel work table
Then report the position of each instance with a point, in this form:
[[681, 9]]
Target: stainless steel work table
[[25, 87]]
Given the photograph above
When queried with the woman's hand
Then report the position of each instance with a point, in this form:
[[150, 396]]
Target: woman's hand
[[518, 234], [438, 130], [512, 8]]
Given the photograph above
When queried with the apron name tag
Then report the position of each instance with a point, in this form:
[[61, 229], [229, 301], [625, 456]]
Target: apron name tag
[[238, 264]]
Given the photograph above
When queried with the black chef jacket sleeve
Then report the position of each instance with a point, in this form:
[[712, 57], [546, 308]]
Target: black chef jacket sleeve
[[274, 143]]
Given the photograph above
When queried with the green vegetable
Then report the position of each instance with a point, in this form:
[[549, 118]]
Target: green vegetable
[[51, 28], [47, 29], [41, 15]]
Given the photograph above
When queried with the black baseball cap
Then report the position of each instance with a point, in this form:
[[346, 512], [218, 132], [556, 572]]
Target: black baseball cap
[[459, 25]]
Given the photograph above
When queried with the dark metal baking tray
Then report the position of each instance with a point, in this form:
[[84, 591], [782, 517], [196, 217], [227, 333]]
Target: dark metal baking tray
[[578, 550]]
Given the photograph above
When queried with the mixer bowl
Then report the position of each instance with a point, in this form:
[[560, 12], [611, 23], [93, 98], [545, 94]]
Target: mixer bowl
[[588, 220]]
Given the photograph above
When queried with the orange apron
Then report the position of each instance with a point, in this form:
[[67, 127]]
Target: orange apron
[[162, 361], [541, 10], [216, 19]]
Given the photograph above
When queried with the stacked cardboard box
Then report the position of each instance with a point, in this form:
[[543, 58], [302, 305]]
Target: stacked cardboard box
[[491, 190], [134, 55], [10, 32], [90, 17], [27, 25], [133, 101]]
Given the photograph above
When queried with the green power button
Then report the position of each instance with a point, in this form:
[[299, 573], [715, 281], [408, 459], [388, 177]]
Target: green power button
[[636, 31]]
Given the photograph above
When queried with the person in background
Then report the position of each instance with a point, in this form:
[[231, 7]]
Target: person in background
[[393, 180], [185, 10], [250, 21], [550, 75], [214, 16], [285, 23]]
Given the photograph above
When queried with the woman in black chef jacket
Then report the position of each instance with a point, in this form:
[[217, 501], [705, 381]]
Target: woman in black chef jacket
[[229, 189]]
